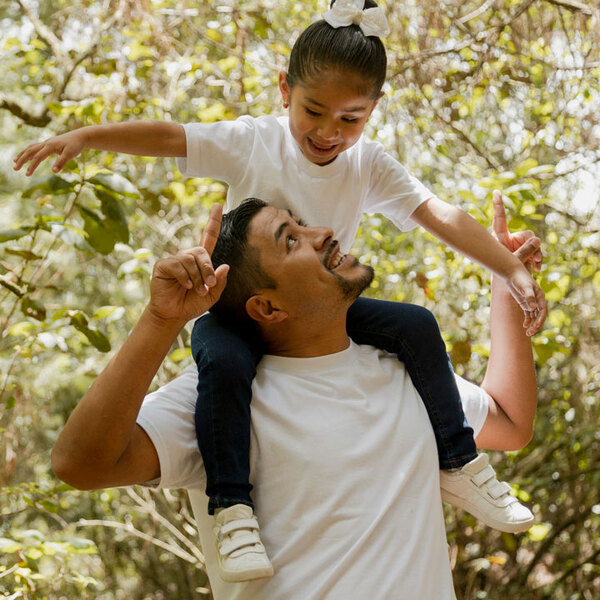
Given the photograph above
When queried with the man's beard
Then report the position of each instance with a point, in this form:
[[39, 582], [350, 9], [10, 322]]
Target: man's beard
[[353, 288]]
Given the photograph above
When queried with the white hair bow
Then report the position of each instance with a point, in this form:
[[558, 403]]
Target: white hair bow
[[372, 21]]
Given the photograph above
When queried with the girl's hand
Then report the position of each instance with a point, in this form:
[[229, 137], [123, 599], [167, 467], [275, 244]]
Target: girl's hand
[[185, 286], [67, 146], [520, 283], [512, 241]]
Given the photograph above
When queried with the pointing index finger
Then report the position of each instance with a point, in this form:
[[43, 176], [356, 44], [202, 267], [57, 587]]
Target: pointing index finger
[[212, 229], [499, 224]]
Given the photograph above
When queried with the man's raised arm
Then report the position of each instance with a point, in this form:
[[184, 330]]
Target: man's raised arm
[[101, 445], [510, 376]]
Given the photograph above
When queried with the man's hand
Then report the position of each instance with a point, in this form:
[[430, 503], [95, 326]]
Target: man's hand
[[67, 146], [521, 284], [185, 285]]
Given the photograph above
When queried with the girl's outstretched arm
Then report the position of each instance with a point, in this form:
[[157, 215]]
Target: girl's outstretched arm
[[463, 233], [142, 138]]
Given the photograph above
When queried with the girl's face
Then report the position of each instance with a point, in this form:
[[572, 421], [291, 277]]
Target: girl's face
[[327, 116]]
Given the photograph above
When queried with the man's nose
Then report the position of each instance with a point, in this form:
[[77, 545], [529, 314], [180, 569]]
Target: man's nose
[[320, 236]]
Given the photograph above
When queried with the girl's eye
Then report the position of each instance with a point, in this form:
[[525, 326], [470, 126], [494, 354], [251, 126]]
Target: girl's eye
[[349, 120], [312, 113]]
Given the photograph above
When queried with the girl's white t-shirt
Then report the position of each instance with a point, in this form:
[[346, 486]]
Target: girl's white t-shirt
[[258, 157], [345, 469]]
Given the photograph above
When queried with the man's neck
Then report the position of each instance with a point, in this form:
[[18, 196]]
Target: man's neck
[[302, 340]]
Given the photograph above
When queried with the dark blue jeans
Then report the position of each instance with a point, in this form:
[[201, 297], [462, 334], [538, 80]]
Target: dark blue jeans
[[227, 365]]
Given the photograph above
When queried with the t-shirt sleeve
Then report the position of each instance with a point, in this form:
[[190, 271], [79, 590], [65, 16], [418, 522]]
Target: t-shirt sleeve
[[167, 416], [220, 150], [476, 403], [394, 192]]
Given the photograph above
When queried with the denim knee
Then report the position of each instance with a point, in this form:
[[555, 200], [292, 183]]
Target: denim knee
[[423, 323]]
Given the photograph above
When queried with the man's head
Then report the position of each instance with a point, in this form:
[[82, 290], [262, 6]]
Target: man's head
[[281, 268]]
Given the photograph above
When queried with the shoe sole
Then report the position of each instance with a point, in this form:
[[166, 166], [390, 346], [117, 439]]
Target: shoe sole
[[249, 575], [517, 527]]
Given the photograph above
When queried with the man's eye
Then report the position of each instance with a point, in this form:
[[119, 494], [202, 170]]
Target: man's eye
[[290, 241]]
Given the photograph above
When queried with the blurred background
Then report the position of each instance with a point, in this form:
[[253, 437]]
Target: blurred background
[[480, 95]]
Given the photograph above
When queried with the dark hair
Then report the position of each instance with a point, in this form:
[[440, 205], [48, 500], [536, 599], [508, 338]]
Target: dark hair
[[322, 47], [246, 275]]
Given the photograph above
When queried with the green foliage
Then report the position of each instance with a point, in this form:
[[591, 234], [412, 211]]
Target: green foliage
[[480, 96]]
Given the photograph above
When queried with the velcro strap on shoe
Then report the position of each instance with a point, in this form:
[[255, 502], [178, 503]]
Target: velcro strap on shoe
[[501, 488], [238, 524], [483, 476], [241, 540]]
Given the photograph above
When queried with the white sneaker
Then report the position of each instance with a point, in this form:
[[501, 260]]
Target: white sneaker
[[240, 552], [474, 488]]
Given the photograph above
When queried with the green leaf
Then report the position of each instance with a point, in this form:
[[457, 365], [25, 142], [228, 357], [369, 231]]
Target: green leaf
[[14, 234], [53, 185], [525, 167], [43, 218], [180, 354], [32, 308], [22, 252], [49, 506], [114, 216], [9, 546], [116, 183], [104, 231], [95, 337], [104, 312], [538, 532], [78, 545]]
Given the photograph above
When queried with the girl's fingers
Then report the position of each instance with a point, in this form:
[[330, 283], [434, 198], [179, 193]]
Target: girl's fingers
[[61, 161], [35, 161], [24, 156], [499, 224]]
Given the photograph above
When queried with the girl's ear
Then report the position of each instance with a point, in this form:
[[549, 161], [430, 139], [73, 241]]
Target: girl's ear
[[375, 102], [284, 88], [262, 310]]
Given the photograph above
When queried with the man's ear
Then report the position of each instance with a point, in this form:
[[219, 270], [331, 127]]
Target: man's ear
[[284, 88], [262, 310]]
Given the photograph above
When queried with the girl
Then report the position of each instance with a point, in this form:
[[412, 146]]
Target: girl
[[317, 164]]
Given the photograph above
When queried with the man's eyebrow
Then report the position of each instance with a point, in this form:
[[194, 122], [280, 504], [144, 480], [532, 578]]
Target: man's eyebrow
[[286, 224], [280, 230]]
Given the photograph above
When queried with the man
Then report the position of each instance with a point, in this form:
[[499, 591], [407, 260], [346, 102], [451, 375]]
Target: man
[[343, 456]]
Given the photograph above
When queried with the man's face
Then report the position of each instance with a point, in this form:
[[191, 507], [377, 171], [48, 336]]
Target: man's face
[[306, 263]]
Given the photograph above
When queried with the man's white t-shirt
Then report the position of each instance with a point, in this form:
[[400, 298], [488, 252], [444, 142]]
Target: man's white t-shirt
[[345, 473], [258, 157]]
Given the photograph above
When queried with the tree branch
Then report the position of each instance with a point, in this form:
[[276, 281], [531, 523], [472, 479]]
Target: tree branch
[[573, 6], [176, 550], [44, 33], [28, 118], [466, 138], [151, 509]]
